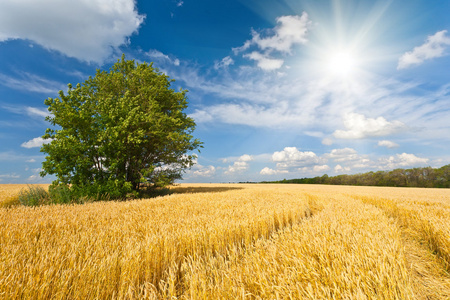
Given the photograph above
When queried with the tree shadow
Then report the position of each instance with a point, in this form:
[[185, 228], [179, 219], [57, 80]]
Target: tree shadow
[[202, 189]]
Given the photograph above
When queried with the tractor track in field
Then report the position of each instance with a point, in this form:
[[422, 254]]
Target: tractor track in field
[[427, 260]]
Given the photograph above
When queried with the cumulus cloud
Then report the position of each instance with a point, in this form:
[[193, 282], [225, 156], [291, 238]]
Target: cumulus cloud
[[35, 143], [401, 161], [359, 127], [347, 158], [241, 164], [237, 166], [291, 157], [88, 30], [245, 157], [290, 31], [269, 171], [320, 168], [341, 169], [344, 154], [388, 144], [434, 46], [293, 154], [204, 171]]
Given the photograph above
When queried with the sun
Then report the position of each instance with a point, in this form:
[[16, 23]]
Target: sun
[[341, 64]]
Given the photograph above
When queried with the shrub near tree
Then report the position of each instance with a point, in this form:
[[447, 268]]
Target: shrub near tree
[[119, 131]]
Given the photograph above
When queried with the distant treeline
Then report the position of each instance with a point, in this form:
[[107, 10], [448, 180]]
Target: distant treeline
[[417, 177]]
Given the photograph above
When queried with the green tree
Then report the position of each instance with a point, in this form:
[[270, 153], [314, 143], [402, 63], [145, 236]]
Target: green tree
[[118, 131]]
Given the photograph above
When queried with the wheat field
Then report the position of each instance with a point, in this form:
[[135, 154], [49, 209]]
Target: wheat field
[[231, 241]]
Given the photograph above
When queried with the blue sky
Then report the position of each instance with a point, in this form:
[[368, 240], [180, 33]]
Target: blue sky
[[278, 89]]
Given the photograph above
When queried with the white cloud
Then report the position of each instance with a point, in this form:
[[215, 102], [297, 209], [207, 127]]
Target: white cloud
[[340, 169], [359, 127], [293, 154], [159, 56], [26, 110], [247, 45], [245, 157], [320, 168], [269, 171], [35, 143], [387, 144], [88, 30], [347, 158], [241, 164], [264, 62], [180, 3], [33, 111], [344, 154], [204, 171], [201, 116], [291, 157], [433, 47], [291, 30], [237, 167], [401, 161], [225, 62], [32, 160]]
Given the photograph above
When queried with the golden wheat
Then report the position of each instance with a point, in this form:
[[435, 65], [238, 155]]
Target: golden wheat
[[232, 241], [114, 249]]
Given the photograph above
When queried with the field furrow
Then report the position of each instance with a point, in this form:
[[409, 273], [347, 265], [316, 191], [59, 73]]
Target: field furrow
[[426, 235], [348, 251]]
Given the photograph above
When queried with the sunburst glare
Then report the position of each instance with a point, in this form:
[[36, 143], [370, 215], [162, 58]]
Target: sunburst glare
[[341, 64]]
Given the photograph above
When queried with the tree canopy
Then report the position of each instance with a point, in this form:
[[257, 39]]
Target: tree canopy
[[118, 131]]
